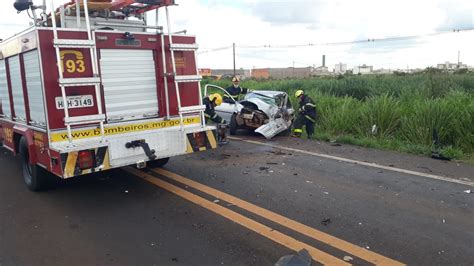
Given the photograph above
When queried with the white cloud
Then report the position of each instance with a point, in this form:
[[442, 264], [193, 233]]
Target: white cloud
[[277, 22]]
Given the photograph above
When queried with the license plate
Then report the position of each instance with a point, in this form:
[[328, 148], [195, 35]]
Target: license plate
[[75, 101]]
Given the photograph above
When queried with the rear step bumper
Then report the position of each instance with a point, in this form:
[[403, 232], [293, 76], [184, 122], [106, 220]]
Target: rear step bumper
[[117, 151]]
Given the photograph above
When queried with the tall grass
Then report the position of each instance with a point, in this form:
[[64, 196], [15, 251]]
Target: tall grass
[[413, 112]]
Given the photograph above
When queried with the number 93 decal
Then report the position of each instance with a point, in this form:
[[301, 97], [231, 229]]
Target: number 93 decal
[[74, 63]]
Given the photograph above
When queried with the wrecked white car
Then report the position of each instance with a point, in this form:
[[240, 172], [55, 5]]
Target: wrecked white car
[[266, 112]]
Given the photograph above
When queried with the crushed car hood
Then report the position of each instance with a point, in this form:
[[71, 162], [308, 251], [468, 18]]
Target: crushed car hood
[[279, 118], [258, 104]]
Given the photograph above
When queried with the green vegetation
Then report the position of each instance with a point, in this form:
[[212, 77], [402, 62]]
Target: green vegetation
[[416, 113]]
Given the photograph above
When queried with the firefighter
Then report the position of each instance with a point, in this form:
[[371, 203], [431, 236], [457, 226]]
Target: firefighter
[[211, 102], [306, 115], [234, 90]]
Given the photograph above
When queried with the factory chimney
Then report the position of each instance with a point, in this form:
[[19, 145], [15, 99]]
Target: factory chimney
[[324, 60]]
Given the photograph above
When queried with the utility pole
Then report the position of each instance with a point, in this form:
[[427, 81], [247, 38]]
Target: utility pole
[[459, 57], [233, 46]]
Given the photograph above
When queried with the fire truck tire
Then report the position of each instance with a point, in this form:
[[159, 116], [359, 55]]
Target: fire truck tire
[[233, 125], [35, 177], [158, 163]]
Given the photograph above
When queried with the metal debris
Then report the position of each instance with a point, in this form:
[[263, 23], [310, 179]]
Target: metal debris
[[326, 221], [348, 258], [301, 259]]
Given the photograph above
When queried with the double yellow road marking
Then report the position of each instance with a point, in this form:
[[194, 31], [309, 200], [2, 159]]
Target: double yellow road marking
[[259, 228]]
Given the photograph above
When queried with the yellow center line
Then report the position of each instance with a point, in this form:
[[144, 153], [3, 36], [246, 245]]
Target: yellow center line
[[330, 240], [257, 227]]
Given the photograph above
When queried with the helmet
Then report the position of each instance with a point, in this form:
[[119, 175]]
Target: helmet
[[235, 79], [298, 93], [216, 98]]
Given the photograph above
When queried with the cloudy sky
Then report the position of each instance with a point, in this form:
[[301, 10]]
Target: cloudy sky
[[277, 33]]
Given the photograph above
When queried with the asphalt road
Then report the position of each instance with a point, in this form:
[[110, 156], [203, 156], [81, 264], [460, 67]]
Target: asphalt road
[[282, 200]]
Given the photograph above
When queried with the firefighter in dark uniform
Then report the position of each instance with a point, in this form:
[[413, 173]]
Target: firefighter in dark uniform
[[235, 90], [306, 115], [211, 102]]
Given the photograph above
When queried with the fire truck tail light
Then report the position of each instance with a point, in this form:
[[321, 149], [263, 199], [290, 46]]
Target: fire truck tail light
[[85, 159]]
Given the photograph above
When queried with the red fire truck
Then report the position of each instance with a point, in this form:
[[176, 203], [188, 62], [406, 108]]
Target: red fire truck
[[92, 86]]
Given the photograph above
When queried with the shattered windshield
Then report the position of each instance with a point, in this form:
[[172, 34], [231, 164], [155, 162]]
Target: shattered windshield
[[269, 100]]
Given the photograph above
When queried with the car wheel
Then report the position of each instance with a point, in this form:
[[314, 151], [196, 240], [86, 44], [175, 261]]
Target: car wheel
[[233, 125], [158, 163], [35, 177]]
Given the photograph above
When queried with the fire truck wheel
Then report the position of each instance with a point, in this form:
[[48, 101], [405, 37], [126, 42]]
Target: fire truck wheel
[[233, 125], [36, 178], [158, 163]]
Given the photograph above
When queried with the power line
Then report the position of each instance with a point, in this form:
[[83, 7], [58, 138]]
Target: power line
[[215, 49], [362, 41]]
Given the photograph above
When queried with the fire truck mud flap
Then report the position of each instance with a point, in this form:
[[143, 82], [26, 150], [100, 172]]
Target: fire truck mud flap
[[201, 141]]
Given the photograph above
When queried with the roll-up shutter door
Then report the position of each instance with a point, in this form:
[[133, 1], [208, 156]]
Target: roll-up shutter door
[[35, 88], [4, 95], [129, 81], [17, 88]]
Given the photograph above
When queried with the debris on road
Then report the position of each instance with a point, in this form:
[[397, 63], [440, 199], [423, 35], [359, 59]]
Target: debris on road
[[348, 258], [468, 191], [326, 221], [279, 152], [126, 191], [326, 193], [301, 259], [263, 168], [444, 221], [272, 163], [216, 201], [295, 174], [309, 182], [334, 143], [438, 156]]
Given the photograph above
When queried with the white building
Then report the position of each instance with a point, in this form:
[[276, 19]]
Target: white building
[[363, 69], [451, 66], [340, 68]]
